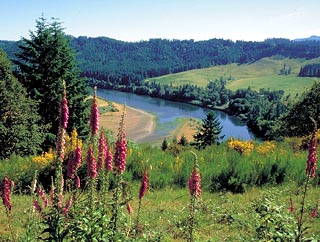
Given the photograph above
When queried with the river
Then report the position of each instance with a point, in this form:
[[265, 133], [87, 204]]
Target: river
[[167, 113]]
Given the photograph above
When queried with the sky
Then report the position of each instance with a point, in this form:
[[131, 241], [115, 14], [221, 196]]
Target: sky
[[136, 20]]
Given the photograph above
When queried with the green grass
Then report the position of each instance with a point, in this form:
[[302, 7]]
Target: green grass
[[220, 216], [260, 74]]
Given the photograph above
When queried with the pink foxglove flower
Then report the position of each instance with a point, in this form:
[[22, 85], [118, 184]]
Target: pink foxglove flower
[[312, 157], [60, 200], [94, 115], [36, 205], [291, 209], [71, 166], [194, 182], [314, 212], [121, 153], [74, 162], [78, 156], [102, 150], [6, 193], [130, 209], [108, 160], [64, 111], [144, 185], [77, 182], [91, 164], [68, 205], [43, 196]]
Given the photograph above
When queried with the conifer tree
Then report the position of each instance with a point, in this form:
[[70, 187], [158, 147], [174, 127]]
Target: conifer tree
[[209, 132], [44, 62], [183, 140], [19, 130], [164, 144]]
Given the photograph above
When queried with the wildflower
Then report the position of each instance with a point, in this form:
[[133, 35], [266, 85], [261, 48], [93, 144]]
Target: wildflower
[[74, 139], [6, 190], [77, 182], [78, 156], [60, 200], [314, 212], [68, 205], [94, 115], [43, 196], [312, 157], [144, 185], [108, 160], [71, 167], [102, 150], [61, 143], [242, 147], [130, 209], [194, 182], [91, 163], [74, 162], [36, 205], [64, 111], [121, 153], [291, 209]]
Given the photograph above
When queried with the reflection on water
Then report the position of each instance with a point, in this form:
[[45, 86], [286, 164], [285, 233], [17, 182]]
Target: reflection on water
[[167, 113]]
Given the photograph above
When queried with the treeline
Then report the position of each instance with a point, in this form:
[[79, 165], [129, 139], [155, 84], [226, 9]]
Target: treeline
[[310, 70], [112, 60]]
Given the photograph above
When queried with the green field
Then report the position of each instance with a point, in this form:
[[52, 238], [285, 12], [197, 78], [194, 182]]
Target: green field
[[260, 74]]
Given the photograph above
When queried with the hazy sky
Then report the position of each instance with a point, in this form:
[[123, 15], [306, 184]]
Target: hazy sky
[[135, 20]]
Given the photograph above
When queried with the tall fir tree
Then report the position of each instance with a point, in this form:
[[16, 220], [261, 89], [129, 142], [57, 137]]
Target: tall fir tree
[[208, 132], [44, 62], [20, 133]]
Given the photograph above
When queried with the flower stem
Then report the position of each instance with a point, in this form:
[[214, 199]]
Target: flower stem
[[300, 219]]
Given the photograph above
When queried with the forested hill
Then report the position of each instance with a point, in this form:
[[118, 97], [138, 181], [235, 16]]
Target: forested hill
[[121, 62]]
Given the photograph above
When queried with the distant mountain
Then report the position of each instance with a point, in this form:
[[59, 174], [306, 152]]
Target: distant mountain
[[311, 38]]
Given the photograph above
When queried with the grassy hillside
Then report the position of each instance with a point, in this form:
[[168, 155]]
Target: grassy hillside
[[260, 74]]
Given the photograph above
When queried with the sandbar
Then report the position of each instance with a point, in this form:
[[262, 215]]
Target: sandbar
[[138, 123]]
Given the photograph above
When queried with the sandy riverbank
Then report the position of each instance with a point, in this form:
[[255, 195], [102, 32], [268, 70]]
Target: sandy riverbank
[[138, 124]]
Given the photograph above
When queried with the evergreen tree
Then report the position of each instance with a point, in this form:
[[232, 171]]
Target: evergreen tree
[[209, 132], [183, 140], [19, 131], [45, 60], [299, 120], [164, 144]]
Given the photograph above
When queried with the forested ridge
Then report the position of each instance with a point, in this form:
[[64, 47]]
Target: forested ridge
[[122, 62]]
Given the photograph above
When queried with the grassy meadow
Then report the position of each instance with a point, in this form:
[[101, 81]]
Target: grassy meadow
[[245, 195], [221, 216], [263, 73]]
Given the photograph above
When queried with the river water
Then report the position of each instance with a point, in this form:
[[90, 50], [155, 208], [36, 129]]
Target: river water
[[167, 113]]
